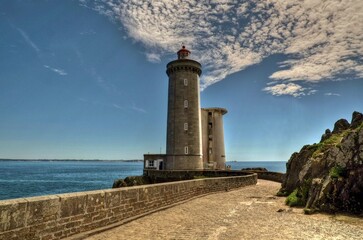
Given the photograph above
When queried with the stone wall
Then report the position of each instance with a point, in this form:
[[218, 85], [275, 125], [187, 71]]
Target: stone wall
[[64, 215], [272, 176], [179, 175]]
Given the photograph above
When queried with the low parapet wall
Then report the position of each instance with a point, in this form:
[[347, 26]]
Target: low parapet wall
[[272, 176], [178, 175], [64, 215]]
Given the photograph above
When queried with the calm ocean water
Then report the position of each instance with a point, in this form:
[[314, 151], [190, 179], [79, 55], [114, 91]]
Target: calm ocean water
[[271, 166], [35, 178]]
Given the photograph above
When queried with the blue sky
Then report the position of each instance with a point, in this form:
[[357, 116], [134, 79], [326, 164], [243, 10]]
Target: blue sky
[[86, 79]]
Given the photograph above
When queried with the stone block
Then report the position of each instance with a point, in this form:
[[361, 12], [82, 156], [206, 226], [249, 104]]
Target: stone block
[[42, 209], [87, 218], [112, 198], [26, 233], [8, 235], [153, 191], [72, 204], [12, 214], [95, 201], [47, 237], [130, 194], [143, 195]]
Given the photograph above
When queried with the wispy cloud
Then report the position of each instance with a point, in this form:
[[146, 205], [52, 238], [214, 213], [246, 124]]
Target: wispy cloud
[[28, 40], [102, 83], [322, 39], [89, 32], [132, 107], [137, 109], [56, 70], [117, 106], [292, 89], [332, 94], [153, 57]]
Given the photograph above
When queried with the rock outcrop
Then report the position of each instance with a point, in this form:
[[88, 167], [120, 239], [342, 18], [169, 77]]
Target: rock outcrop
[[340, 126], [131, 181], [328, 176]]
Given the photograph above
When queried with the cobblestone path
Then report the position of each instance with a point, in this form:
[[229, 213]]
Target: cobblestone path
[[246, 213]]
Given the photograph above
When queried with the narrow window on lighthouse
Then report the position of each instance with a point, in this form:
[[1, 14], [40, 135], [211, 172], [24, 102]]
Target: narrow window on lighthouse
[[185, 126], [185, 103], [186, 150], [185, 82]]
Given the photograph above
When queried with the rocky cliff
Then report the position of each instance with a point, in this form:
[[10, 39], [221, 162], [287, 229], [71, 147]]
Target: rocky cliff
[[328, 176]]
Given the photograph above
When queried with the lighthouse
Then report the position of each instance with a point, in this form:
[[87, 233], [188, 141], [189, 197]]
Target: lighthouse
[[195, 137], [184, 136]]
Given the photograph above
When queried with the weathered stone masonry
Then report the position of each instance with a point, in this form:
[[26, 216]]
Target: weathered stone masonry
[[64, 215]]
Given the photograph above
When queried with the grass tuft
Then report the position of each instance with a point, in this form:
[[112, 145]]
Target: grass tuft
[[337, 172], [294, 199]]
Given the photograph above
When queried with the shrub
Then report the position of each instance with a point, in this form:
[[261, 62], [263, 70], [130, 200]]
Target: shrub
[[337, 172], [334, 140], [294, 199]]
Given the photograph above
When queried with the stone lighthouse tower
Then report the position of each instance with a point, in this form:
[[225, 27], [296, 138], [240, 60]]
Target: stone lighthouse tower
[[184, 137]]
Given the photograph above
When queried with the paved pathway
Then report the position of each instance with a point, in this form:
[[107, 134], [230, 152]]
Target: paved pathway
[[247, 213]]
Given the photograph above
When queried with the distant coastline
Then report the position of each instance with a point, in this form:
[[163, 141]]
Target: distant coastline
[[73, 160]]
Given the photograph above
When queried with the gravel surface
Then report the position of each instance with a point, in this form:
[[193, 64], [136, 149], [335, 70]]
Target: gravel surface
[[251, 212]]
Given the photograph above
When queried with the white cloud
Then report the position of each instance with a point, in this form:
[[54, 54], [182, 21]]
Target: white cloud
[[102, 83], [292, 89], [28, 40], [56, 70], [332, 94], [311, 92], [89, 32], [137, 109], [322, 39], [132, 107], [153, 57], [117, 106]]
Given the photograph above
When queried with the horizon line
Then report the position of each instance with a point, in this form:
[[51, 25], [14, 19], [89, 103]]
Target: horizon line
[[120, 160]]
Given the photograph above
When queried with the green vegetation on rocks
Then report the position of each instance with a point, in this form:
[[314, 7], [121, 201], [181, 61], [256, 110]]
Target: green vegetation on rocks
[[295, 199], [333, 140], [337, 172], [300, 195]]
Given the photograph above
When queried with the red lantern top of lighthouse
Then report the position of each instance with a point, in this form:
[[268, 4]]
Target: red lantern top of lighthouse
[[183, 53]]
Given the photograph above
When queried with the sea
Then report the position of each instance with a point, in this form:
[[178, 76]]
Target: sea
[[27, 178]]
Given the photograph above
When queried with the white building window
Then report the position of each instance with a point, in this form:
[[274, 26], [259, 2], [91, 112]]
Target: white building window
[[186, 150], [186, 104], [151, 163], [185, 126], [185, 82]]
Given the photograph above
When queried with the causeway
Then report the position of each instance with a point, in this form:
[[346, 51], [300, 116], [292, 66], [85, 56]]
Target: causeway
[[252, 212]]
